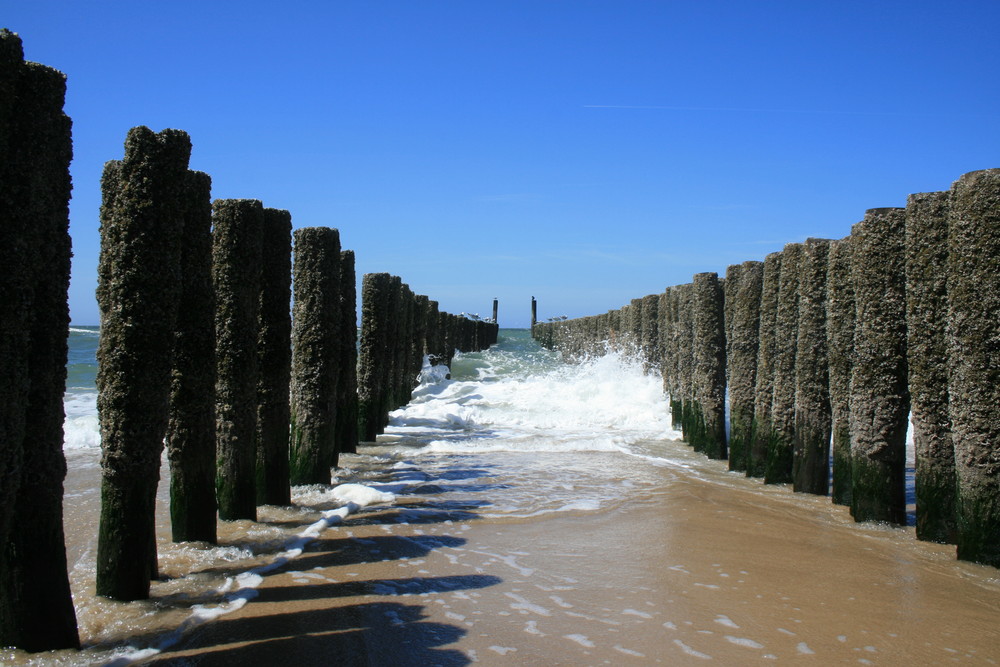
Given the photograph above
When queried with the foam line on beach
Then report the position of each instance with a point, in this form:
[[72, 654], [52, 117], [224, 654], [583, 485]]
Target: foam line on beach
[[240, 589]]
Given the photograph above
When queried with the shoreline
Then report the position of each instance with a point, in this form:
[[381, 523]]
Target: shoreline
[[698, 570]]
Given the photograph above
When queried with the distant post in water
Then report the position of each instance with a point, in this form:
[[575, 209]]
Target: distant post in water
[[840, 350], [927, 359], [534, 312], [496, 306], [316, 355], [880, 400], [141, 228], [973, 358], [236, 275], [274, 356], [191, 430], [811, 463]]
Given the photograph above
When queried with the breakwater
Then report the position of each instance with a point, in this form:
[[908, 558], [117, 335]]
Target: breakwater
[[198, 353], [827, 346]]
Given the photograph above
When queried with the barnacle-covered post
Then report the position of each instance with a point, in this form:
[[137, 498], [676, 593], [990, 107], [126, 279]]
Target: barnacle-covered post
[[236, 274], [709, 370], [191, 430], [316, 355], [764, 390], [840, 350], [36, 607], [274, 356], [880, 400], [927, 360], [811, 462], [974, 360], [742, 342], [786, 325], [139, 287]]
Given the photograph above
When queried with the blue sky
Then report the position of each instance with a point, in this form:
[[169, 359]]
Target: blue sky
[[583, 152]]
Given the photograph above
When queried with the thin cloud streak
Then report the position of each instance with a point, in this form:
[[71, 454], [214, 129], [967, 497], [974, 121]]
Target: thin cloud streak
[[833, 112]]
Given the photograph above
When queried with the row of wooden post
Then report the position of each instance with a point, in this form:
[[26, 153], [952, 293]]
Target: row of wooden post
[[198, 350], [398, 330], [827, 346]]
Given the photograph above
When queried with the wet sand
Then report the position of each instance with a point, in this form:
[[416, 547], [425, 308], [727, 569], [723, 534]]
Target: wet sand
[[708, 566]]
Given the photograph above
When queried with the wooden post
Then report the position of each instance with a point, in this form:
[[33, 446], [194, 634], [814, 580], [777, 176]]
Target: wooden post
[[274, 358], [840, 312], [743, 290], [236, 274], [927, 361], [813, 420], [191, 430], [36, 607], [373, 360], [786, 324], [880, 400], [709, 370], [316, 355], [347, 386], [764, 391], [139, 286], [973, 359]]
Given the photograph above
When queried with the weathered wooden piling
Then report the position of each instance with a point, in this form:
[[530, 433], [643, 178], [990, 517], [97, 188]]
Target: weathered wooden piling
[[36, 607], [927, 361], [813, 419], [274, 359], [534, 311], [786, 324], [880, 401], [496, 307], [974, 360], [743, 289], [840, 316], [191, 429], [649, 344], [347, 385], [709, 366], [685, 360], [764, 390], [374, 371], [434, 345], [316, 355], [138, 291], [236, 276]]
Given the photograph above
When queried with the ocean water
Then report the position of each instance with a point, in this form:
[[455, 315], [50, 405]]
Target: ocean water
[[509, 435]]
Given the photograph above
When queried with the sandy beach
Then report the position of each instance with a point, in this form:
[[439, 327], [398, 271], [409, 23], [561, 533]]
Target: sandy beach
[[731, 572]]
